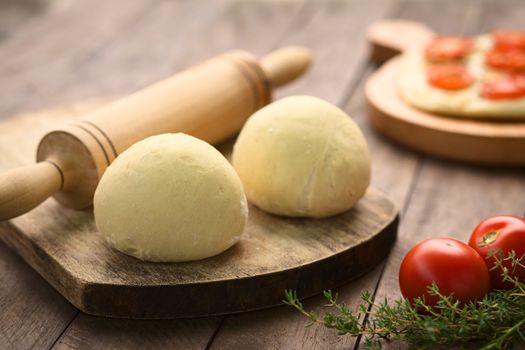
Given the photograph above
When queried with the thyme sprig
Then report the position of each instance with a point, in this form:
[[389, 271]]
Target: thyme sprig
[[495, 322]]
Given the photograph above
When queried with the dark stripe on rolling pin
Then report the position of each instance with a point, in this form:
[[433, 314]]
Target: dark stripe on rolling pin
[[59, 171], [268, 88], [264, 79], [255, 78], [248, 77], [96, 139], [263, 83], [103, 134]]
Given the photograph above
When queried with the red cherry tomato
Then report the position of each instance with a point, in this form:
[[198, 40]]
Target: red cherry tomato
[[449, 76], [507, 88], [455, 267], [512, 60], [509, 39], [448, 48], [500, 234]]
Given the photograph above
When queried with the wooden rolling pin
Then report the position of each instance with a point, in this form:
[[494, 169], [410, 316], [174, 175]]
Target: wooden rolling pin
[[210, 101]]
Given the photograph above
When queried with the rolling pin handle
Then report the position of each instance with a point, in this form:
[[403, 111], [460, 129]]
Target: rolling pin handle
[[22, 189], [286, 64]]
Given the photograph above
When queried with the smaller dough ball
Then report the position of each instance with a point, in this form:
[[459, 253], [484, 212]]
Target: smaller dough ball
[[302, 156], [170, 197]]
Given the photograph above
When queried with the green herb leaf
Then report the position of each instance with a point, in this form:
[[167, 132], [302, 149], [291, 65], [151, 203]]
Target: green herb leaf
[[496, 322]]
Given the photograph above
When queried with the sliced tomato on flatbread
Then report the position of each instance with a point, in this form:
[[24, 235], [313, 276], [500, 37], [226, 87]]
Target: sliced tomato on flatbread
[[512, 60], [451, 76], [511, 86], [508, 39], [448, 48]]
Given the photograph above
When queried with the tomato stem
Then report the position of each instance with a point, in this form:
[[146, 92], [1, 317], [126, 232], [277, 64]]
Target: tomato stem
[[489, 238]]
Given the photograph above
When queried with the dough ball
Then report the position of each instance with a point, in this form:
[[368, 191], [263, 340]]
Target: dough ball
[[302, 156], [170, 197]]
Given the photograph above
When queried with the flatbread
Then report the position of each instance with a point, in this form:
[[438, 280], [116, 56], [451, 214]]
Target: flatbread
[[414, 89]]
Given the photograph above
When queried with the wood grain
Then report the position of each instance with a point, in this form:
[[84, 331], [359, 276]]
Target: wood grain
[[155, 43], [274, 254], [392, 168], [168, 38], [54, 248], [469, 195], [283, 327], [33, 314], [449, 199], [90, 332], [59, 56], [15, 12], [338, 45], [52, 71]]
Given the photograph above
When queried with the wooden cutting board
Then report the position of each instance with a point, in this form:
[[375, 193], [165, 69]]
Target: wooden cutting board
[[477, 141], [275, 253]]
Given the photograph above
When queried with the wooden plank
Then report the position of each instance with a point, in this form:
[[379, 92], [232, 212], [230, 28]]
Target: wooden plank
[[38, 315], [392, 167], [453, 17], [34, 65], [155, 46], [449, 199], [89, 332], [394, 170], [499, 14], [468, 195], [274, 253], [220, 27], [170, 39], [14, 13], [283, 327], [334, 31], [34, 315]]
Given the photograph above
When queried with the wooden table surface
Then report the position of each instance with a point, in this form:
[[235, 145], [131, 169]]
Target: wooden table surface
[[60, 51]]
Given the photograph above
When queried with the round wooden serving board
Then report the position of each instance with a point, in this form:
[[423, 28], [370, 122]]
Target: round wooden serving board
[[477, 141], [275, 253]]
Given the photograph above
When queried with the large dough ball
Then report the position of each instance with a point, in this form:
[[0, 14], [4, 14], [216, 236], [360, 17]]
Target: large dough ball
[[170, 197], [302, 156]]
